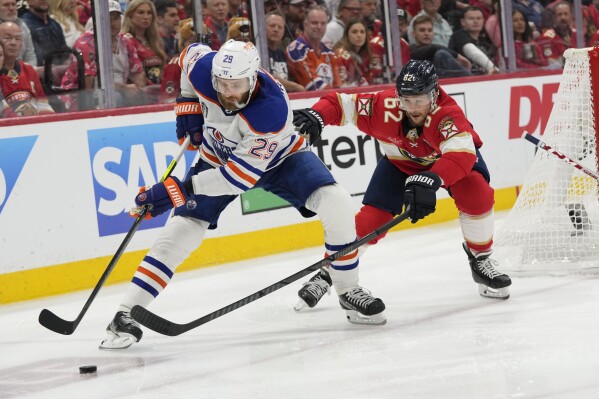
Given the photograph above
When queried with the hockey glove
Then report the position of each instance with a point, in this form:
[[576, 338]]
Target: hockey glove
[[190, 121], [421, 194], [162, 197], [308, 123]]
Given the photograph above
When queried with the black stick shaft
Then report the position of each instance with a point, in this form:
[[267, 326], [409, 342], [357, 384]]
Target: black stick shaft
[[61, 326], [165, 327]]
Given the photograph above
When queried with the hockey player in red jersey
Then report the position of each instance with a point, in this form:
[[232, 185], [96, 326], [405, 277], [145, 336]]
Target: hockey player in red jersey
[[428, 144]]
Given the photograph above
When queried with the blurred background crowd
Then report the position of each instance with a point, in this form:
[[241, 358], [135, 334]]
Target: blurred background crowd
[[50, 50]]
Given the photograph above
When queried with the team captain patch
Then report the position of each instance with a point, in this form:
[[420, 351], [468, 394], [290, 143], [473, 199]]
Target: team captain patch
[[364, 106], [447, 127]]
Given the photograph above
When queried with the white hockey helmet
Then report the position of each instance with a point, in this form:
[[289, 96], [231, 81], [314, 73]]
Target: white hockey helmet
[[236, 61]]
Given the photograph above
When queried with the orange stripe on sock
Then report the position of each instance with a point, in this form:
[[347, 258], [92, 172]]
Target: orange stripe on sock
[[152, 275]]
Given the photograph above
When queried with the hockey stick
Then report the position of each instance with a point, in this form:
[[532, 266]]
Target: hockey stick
[[66, 327], [165, 327], [542, 145]]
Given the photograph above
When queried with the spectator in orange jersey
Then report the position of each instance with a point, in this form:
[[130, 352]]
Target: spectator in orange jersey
[[556, 40], [353, 55], [311, 63], [19, 81]]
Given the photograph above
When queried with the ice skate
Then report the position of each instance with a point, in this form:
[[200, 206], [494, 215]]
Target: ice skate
[[122, 332], [491, 283], [362, 308], [313, 290]]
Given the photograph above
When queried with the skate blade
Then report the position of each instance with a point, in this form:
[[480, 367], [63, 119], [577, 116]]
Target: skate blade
[[117, 342], [301, 305], [494, 293], [356, 317]]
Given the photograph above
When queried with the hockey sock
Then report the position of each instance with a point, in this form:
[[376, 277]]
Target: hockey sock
[[369, 219]]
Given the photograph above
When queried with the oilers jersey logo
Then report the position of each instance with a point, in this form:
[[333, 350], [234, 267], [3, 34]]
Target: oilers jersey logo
[[222, 146]]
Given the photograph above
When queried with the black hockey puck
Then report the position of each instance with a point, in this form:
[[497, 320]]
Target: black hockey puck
[[88, 369]]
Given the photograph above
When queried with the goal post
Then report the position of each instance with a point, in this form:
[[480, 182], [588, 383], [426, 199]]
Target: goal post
[[554, 226]]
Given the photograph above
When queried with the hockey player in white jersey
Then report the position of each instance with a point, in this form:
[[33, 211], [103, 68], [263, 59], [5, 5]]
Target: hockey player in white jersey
[[241, 120]]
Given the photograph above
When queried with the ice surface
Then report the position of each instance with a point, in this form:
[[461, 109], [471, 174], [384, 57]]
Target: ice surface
[[442, 340]]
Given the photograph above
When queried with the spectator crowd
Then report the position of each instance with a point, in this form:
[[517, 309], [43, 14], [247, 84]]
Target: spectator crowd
[[48, 48]]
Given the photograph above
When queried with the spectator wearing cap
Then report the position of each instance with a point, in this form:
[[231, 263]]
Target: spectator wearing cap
[[295, 12], [347, 10], [46, 33], [311, 63], [168, 24], [8, 13], [441, 29], [129, 78], [275, 30], [403, 23], [217, 21]]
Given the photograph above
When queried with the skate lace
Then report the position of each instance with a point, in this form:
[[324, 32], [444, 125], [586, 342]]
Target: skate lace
[[126, 319], [487, 267], [360, 297], [317, 287]]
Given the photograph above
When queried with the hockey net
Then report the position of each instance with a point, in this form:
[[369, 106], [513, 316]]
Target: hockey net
[[554, 226]]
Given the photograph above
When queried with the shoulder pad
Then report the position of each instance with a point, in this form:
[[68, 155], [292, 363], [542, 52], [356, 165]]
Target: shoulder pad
[[268, 110], [191, 55]]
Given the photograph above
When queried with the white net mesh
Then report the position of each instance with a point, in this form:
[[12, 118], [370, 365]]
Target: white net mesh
[[554, 225]]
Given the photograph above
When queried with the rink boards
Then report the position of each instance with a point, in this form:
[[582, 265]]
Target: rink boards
[[67, 183]]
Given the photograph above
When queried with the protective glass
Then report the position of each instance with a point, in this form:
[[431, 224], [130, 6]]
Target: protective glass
[[231, 86]]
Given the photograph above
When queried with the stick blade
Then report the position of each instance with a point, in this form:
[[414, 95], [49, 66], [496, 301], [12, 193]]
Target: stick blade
[[56, 324], [155, 323]]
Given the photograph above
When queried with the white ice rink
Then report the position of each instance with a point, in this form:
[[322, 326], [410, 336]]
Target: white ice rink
[[442, 340]]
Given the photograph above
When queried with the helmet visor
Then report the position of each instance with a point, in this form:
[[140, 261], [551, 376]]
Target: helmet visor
[[230, 87], [409, 103]]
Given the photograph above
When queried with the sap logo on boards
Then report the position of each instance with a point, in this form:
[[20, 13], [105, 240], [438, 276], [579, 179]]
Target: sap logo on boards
[[530, 108], [124, 159], [13, 156]]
